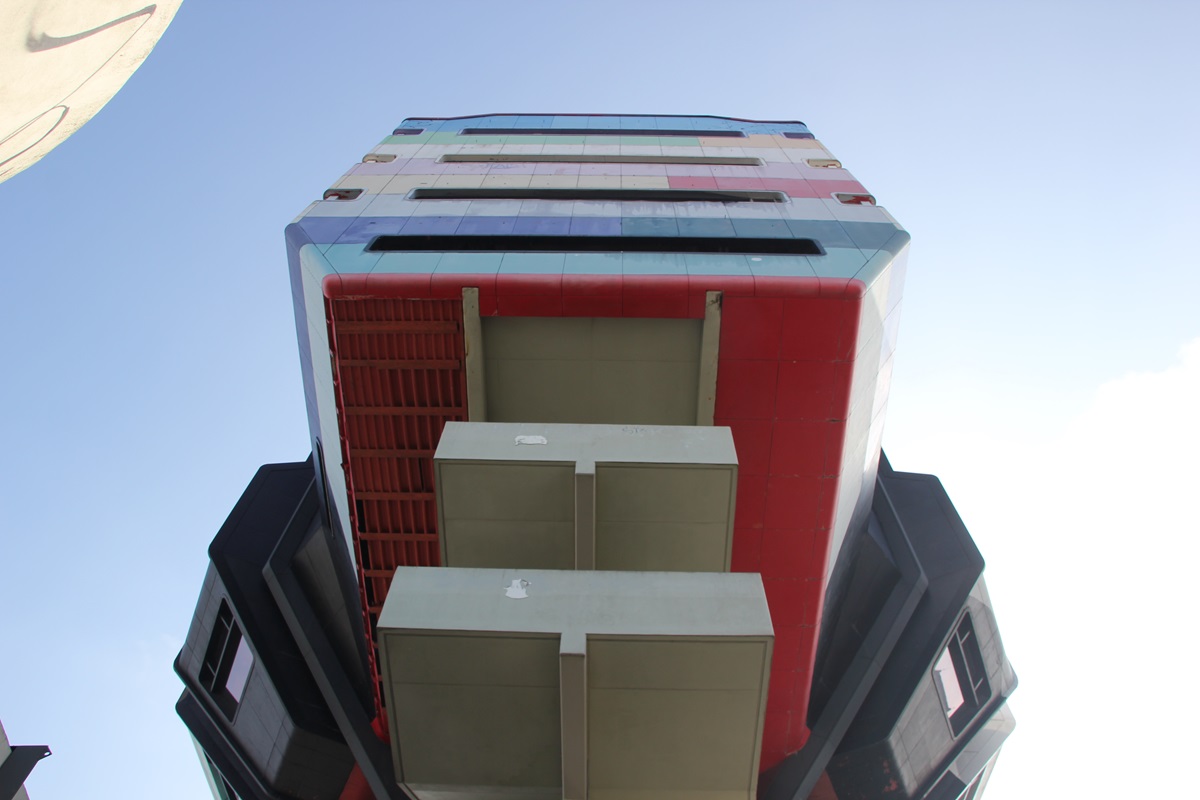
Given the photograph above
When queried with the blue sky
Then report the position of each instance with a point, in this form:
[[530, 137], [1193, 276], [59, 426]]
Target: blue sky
[[1041, 154]]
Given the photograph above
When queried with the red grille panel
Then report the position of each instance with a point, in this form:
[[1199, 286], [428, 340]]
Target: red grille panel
[[398, 376]]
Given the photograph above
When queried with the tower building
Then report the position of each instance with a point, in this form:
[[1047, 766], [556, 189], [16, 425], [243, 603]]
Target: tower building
[[596, 505]]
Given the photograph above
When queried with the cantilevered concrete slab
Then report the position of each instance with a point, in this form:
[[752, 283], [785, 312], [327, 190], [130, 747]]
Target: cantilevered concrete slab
[[547, 683], [611, 497]]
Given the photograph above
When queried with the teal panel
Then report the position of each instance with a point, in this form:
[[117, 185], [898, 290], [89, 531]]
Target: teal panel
[[716, 264], [649, 226], [532, 263], [839, 262], [592, 264], [350, 259], [407, 263], [653, 264], [782, 266], [477, 263]]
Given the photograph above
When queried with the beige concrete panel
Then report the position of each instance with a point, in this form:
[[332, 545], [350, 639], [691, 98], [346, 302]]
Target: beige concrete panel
[[647, 742], [506, 491], [542, 390], [643, 392], [662, 494], [505, 544], [675, 665], [473, 343], [668, 604], [485, 735], [573, 700], [646, 339], [585, 515], [662, 546], [471, 660], [697, 664], [598, 371], [494, 698], [710, 339], [536, 338]]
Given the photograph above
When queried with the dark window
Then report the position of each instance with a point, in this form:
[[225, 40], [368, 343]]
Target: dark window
[[596, 132], [594, 244], [493, 158], [637, 195], [407, 131], [227, 663], [960, 678]]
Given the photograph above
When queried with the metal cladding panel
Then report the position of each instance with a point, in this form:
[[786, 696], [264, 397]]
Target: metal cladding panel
[[805, 337]]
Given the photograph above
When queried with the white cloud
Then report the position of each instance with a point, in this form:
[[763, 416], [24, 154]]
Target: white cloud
[[1091, 538]]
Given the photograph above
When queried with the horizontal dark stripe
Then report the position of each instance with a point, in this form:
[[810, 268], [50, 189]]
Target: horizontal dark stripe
[[640, 195], [796, 135], [407, 131], [732, 161], [595, 244], [596, 132]]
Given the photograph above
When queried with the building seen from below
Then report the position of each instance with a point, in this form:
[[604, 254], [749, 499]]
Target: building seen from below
[[596, 505]]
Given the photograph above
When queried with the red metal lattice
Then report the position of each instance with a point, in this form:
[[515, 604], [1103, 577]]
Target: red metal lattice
[[399, 378]]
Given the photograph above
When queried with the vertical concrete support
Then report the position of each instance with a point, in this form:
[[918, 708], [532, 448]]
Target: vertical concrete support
[[710, 340], [585, 515], [473, 338], [572, 668]]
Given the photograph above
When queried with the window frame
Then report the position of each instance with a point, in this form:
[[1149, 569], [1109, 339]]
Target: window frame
[[970, 672], [224, 646]]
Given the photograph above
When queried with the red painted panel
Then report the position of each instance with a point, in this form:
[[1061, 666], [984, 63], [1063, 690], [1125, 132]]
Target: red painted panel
[[752, 441], [696, 182], [609, 285], [774, 744], [773, 286], [788, 639], [746, 389], [742, 184], [644, 301], [747, 544], [751, 328], [826, 188], [592, 306], [801, 448], [807, 390], [781, 689], [786, 554], [818, 329], [751, 506], [530, 284], [540, 305], [450, 285], [790, 595], [792, 502], [728, 285]]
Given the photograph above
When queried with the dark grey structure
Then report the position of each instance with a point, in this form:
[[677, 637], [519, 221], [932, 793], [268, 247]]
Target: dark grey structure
[[251, 700], [911, 679]]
